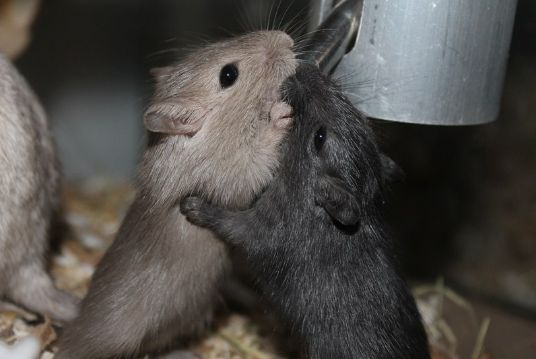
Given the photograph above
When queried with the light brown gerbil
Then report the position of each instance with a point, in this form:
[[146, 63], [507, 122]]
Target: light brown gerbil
[[216, 122], [29, 198]]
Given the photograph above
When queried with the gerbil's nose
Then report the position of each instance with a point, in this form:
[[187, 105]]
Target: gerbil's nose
[[284, 39], [277, 39], [277, 46]]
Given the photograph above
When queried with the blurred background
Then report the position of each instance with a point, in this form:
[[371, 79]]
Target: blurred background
[[465, 212]]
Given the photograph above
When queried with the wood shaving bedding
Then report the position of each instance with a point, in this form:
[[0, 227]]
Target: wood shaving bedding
[[93, 212]]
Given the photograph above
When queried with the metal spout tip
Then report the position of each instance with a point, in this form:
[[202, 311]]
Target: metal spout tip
[[333, 38]]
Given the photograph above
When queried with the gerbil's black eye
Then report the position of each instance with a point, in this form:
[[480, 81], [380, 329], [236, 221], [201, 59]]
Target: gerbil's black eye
[[228, 75], [320, 138]]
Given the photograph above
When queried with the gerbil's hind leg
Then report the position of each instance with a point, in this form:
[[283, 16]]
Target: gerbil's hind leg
[[229, 226], [32, 287]]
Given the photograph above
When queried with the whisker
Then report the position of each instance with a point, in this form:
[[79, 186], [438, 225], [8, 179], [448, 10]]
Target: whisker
[[227, 31], [241, 19], [295, 23], [269, 16], [273, 23], [297, 28], [282, 19], [250, 26]]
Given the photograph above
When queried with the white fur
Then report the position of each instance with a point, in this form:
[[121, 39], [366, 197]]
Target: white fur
[[26, 348]]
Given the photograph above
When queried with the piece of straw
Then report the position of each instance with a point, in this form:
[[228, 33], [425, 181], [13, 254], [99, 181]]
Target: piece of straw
[[479, 345], [254, 353]]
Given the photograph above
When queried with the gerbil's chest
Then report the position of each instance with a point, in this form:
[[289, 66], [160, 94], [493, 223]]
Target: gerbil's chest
[[226, 168], [308, 242]]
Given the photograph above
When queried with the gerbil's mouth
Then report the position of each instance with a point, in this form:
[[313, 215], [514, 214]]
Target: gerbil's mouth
[[289, 115], [281, 114]]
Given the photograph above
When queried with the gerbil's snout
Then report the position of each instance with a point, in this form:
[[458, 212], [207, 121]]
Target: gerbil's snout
[[280, 39], [278, 46], [299, 88]]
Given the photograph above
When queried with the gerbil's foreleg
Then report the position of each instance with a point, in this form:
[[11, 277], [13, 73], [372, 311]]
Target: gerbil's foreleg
[[32, 287], [232, 227]]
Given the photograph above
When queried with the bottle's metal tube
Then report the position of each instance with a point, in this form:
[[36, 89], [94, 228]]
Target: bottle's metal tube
[[331, 40], [438, 62]]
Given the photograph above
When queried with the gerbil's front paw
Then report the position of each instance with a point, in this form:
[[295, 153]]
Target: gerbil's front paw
[[281, 115], [196, 211]]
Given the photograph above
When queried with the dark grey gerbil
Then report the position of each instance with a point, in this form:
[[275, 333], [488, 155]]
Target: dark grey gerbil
[[29, 199], [315, 238], [216, 122]]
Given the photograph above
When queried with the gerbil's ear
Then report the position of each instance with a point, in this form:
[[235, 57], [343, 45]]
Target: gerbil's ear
[[174, 118], [338, 201], [391, 172]]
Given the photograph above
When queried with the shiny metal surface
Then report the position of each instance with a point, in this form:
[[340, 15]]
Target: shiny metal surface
[[320, 9], [330, 41], [436, 62]]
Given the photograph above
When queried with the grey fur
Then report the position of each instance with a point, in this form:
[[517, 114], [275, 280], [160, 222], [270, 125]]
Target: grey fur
[[160, 278], [29, 188], [316, 240]]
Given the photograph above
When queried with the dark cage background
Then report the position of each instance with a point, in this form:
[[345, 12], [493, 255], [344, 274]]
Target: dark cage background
[[464, 216]]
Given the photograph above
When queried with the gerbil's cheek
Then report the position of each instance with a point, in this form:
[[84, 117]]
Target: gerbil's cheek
[[281, 115]]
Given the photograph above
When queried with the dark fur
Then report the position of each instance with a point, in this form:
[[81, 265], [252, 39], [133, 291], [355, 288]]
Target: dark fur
[[316, 240]]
